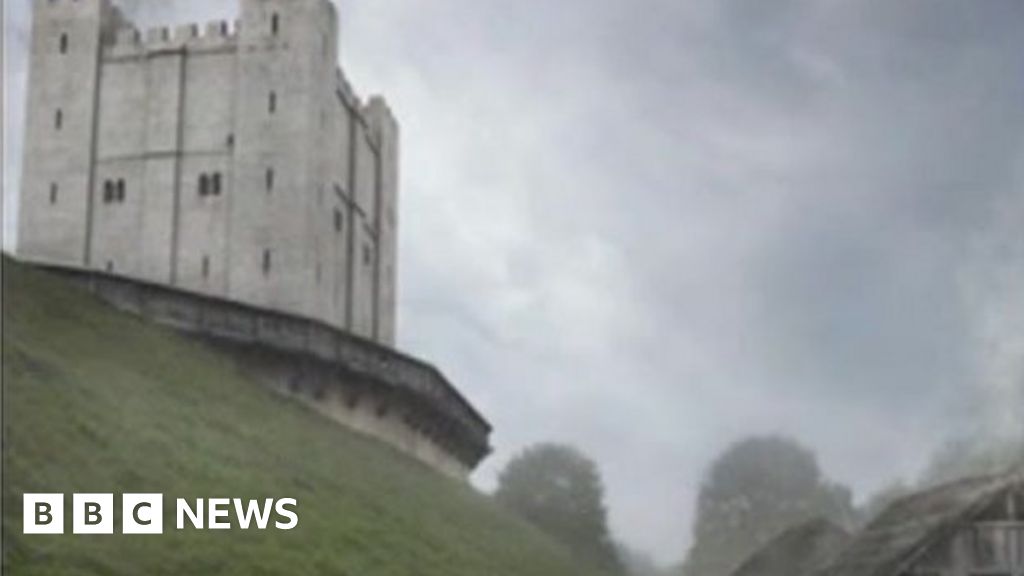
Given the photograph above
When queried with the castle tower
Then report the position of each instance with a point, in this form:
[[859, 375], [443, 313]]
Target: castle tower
[[235, 163], [281, 77], [59, 149]]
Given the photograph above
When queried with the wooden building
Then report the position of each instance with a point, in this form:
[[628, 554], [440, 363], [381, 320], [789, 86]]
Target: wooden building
[[972, 527]]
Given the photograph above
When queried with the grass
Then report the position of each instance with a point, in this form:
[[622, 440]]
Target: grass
[[99, 401]]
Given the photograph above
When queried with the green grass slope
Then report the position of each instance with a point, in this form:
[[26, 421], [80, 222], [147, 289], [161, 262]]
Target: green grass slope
[[99, 401]]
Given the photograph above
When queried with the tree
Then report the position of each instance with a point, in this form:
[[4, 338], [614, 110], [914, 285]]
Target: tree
[[757, 488], [559, 489]]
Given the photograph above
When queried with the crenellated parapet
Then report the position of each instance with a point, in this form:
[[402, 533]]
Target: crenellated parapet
[[217, 29], [214, 35]]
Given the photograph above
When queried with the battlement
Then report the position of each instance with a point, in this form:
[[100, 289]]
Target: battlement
[[208, 34], [217, 29], [129, 40]]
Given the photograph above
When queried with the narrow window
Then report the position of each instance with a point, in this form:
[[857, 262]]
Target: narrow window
[[215, 184], [272, 102], [206, 267], [108, 191], [58, 119], [63, 43], [203, 185], [266, 262], [337, 220], [275, 23], [270, 179], [120, 190], [53, 193], [231, 140]]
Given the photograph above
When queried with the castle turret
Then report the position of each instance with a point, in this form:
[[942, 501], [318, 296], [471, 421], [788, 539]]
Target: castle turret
[[63, 90], [281, 73]]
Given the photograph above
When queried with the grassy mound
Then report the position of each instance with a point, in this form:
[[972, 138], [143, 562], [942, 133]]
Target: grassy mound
[[99, 401]]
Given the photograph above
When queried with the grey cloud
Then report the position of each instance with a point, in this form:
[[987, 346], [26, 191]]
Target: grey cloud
[[649, 228]]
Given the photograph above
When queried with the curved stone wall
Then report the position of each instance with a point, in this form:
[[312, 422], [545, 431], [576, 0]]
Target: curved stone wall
[[368, 387]]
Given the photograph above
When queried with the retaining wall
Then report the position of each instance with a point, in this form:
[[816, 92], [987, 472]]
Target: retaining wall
[[368, 387]]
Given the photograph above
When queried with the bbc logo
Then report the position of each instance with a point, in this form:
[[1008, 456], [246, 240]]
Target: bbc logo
[[93, 514], [144, 513]]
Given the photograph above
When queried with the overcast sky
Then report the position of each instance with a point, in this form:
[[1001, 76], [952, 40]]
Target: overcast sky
[[651, 228]]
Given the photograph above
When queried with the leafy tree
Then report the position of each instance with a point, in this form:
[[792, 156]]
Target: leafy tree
[[559, 489], [757, 488]]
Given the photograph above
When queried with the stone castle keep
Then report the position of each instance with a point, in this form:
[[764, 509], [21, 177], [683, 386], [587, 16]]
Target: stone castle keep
[[235, 162], [228, 180]]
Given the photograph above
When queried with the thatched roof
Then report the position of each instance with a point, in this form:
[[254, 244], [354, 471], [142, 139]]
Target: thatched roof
[[911, 525], [796, 551]]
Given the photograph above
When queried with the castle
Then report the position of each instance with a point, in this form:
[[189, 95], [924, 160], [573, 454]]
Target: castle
[[231, 161], [228, 180]]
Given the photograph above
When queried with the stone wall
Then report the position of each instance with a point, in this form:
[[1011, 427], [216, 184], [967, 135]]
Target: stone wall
[[365, 386]]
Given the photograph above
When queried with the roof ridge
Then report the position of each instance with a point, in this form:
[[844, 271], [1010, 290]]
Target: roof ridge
[[910, 526], [996, 484]]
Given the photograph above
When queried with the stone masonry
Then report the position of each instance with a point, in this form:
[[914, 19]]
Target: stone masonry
[[228, 160]]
